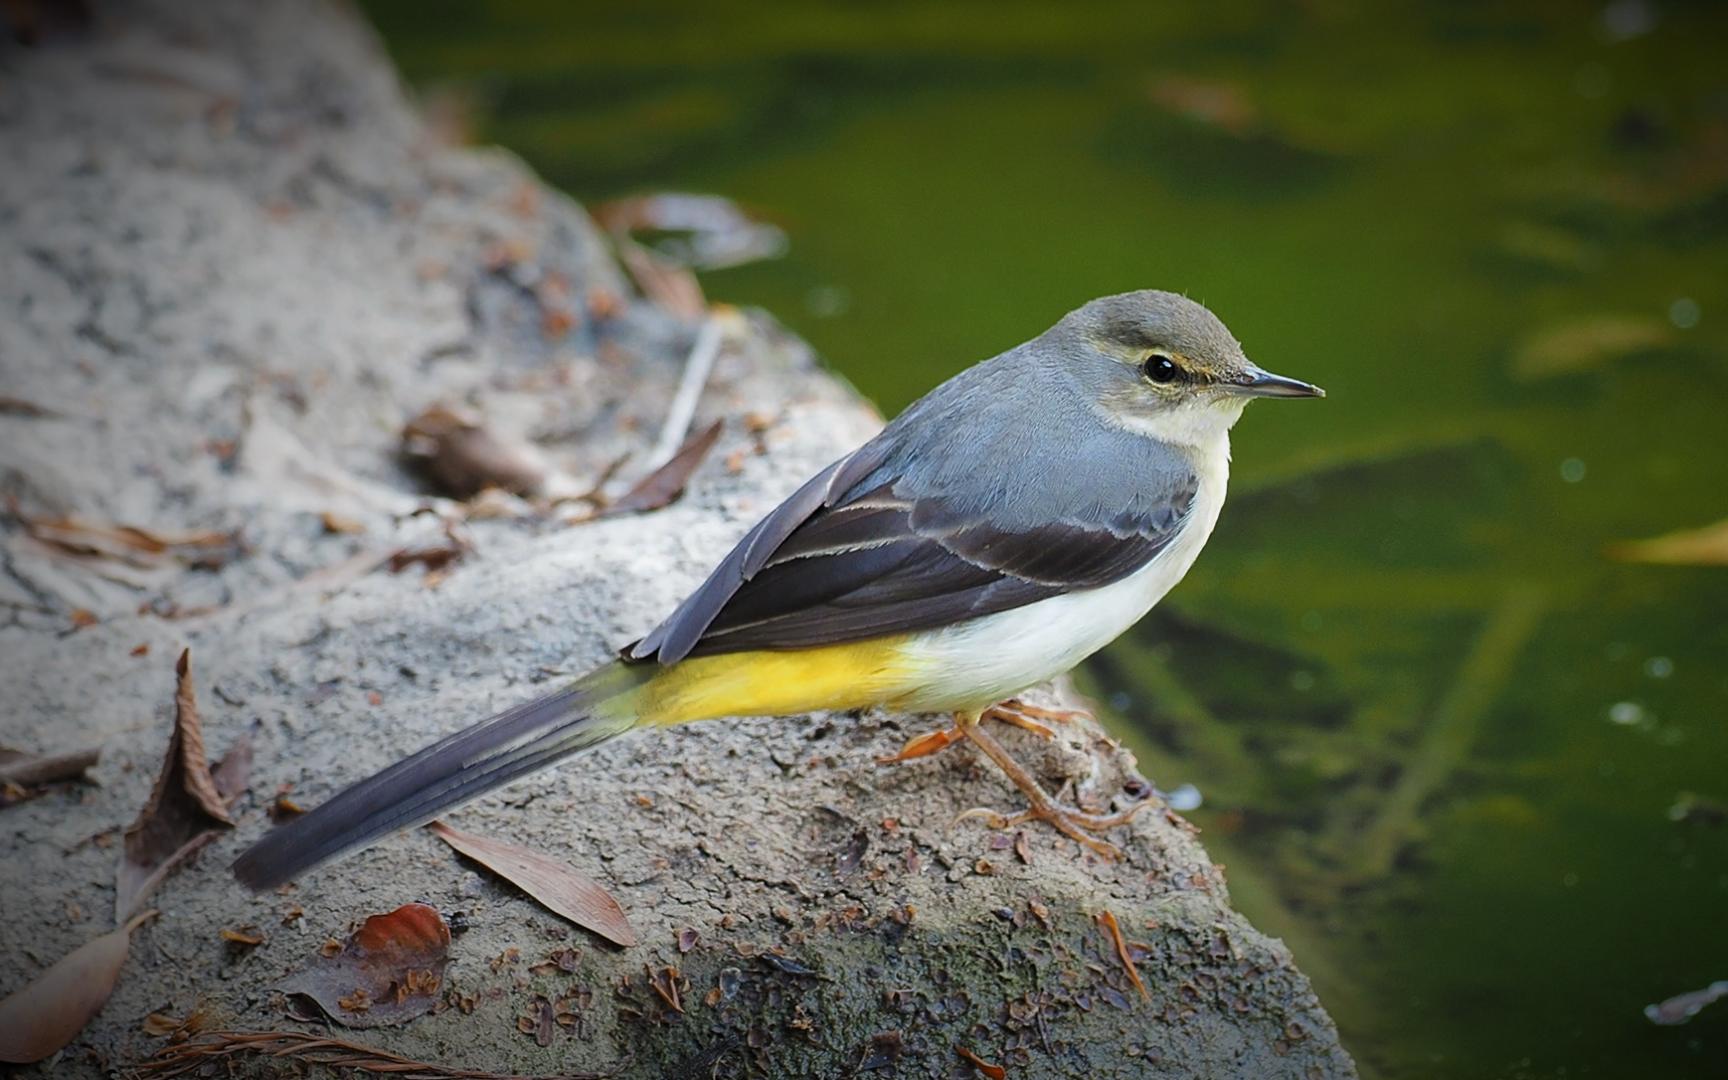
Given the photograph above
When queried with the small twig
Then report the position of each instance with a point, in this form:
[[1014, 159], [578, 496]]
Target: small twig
[[188, 1057], [679, 415], [1452, 730], [1108, 919]]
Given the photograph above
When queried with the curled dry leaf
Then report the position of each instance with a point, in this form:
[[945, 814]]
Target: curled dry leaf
[[985, 1068], [1707, 546], [1107, 919], [389, 971], [553, 884], [463, 458], [187, 807], [662, 487], [17, 767], [670, 286], [44, 1016], [130, 544], [11, 406]]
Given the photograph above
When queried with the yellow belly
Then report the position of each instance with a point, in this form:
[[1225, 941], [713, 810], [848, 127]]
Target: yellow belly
[[763, 683]]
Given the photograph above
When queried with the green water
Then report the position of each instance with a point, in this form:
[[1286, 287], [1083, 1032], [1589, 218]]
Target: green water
[[1439, 733]]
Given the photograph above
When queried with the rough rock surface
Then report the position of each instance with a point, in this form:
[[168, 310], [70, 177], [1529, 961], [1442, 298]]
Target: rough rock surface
[[235, 264]]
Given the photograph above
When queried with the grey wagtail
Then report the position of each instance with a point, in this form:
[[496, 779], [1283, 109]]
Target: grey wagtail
[[945, 566]]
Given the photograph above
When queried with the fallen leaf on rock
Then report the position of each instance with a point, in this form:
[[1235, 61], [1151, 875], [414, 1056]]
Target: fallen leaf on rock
[[11, 406], [339, 525], [555, 885], [144, 548], [390, 970], [985, 1068], [17, 767], [539, 1021], [436, 558], [1107, 919], [463, 457], [670, 286], [1587, 343], [1707, 546], [187, 807], [42, 1017], [662, 487]]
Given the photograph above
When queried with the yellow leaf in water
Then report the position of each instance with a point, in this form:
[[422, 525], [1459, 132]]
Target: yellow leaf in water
[[1707, 546], [1587, 343]]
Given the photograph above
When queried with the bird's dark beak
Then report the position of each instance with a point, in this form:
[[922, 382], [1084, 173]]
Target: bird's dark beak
[[1258, 382]]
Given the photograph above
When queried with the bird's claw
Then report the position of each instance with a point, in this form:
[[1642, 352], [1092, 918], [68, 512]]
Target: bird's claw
[[1077, 825]]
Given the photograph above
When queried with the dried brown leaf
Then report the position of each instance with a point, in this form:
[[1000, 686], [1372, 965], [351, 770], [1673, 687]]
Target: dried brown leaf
[[161, 1025], [1707, 546], [662, 487], [339, 525], [130, 544], [669, 286], [553, 884], [390, 970], [463, 458], [187, 807], [985, 1068], [17, 767], [11, 406], [40, 1018], [1107, 919]]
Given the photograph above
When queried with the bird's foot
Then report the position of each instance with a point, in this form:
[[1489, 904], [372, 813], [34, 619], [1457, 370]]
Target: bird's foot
[[1013, 711], [923, 745], [1071, 822], [1034, 718], [1075, 824]]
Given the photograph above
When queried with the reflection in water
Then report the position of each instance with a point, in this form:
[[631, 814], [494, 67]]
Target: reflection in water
[[1466, 763]]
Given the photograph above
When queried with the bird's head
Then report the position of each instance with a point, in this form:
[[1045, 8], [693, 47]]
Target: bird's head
[[1165, 366]]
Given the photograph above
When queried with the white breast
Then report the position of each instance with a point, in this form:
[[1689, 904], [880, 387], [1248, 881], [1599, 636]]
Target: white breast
[[988, 660]]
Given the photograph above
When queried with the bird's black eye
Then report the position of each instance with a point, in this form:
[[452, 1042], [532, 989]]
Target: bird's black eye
[[1161, 369]]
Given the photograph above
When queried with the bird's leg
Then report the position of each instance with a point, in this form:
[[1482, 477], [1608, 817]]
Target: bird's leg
[[1075, 824]]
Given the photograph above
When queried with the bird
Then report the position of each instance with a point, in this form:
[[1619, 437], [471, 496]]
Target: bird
[[1002, 528]]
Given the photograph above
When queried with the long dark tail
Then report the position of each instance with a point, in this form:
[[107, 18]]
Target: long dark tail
[[452, 771]]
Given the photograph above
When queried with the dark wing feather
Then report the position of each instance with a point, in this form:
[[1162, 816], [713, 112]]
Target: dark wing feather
[[879, 564]]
